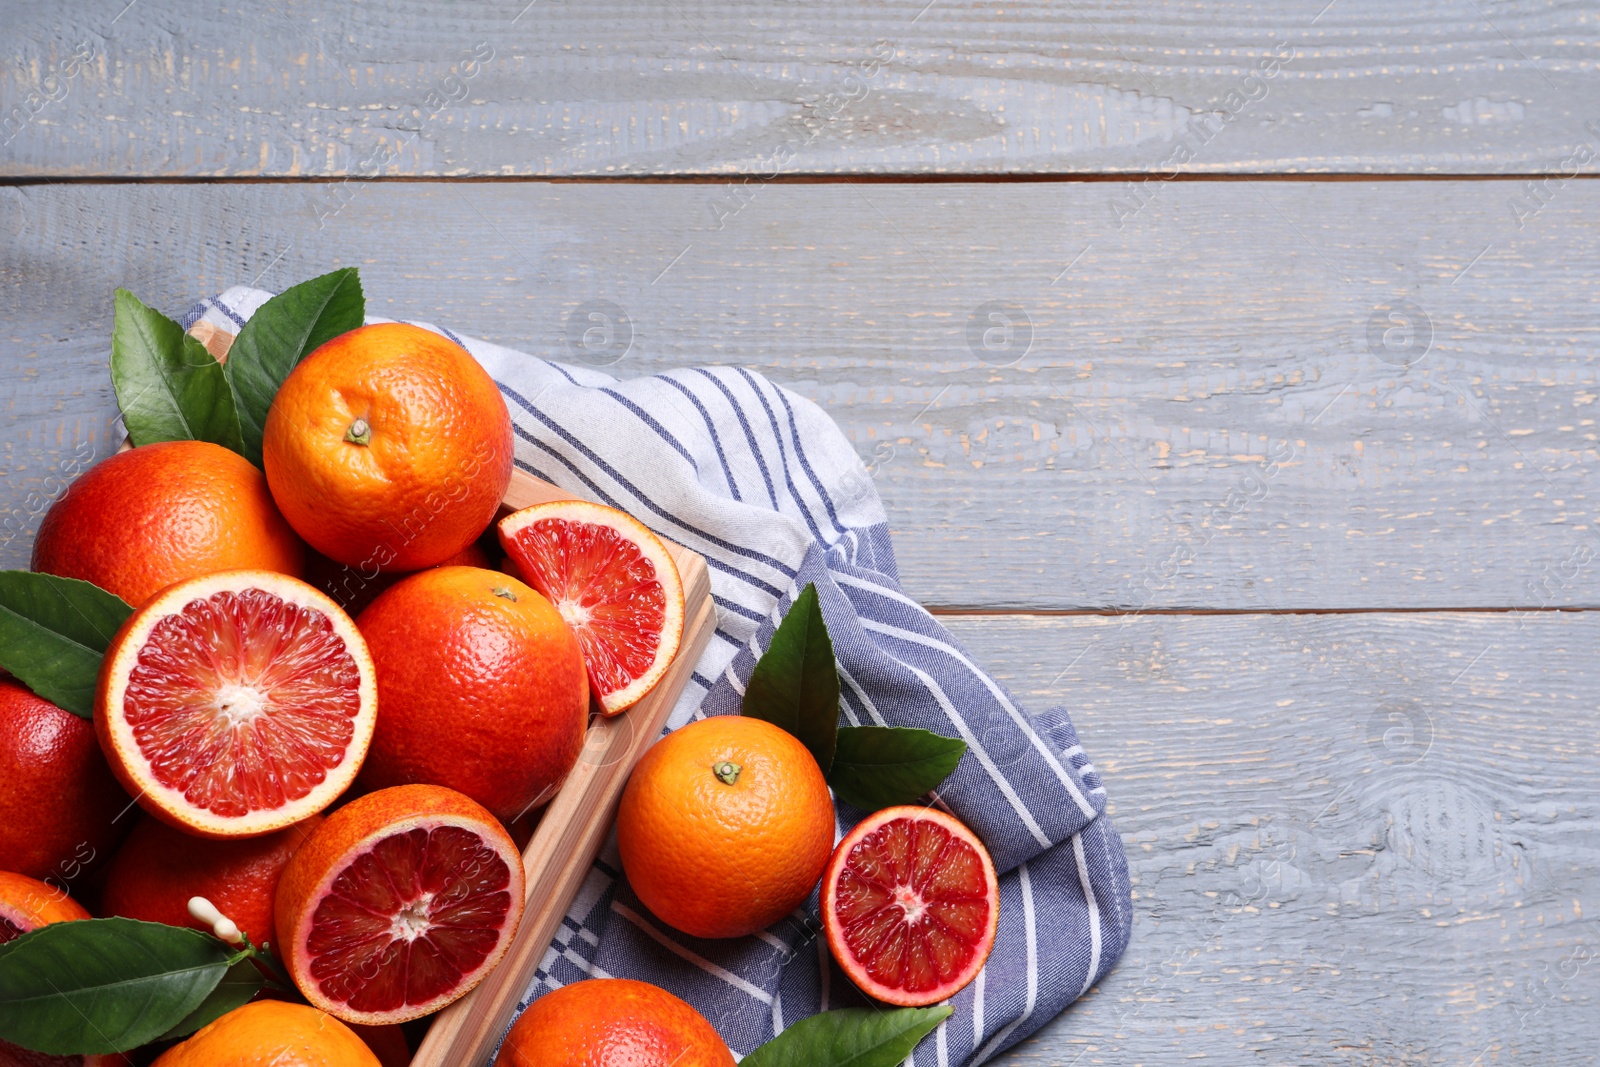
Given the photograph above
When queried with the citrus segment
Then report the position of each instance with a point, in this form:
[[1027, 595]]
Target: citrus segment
[[613, 581], [236, 703], [910, 903], [398, 904]]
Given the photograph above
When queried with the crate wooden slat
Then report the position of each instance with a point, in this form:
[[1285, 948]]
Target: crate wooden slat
[[575, 824]]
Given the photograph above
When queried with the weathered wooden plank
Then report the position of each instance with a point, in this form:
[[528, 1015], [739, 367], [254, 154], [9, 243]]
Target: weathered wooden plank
[[1206, 415], [1353, 838], [712, 86]]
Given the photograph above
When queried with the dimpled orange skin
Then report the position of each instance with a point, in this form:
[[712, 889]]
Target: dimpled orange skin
[[275, 1033], [478, 691], [719, 860], [27, 904], [140, 520], [158, 869], [58, 800], [612, 1022], [430, 476]]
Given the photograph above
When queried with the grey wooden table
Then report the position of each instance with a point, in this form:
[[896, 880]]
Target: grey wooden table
[[1227, 371]]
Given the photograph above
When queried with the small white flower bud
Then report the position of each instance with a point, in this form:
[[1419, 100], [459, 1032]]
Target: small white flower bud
[[206, 912]]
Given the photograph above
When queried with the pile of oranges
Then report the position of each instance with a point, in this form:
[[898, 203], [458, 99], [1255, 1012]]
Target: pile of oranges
[[342, 697]]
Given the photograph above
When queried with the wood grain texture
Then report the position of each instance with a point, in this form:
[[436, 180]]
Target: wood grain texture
[[553, 87], [1200, 421], [1354, 839]]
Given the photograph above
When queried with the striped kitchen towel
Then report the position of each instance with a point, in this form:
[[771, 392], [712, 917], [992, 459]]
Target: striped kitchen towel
[[764, 485]]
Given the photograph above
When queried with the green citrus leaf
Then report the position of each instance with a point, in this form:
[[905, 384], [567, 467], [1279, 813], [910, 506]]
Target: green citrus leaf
[[880, 766], [97, 986], [795, 683], [54, 632], [281, 333], [168, 386], [238, 987], [850, 1037]]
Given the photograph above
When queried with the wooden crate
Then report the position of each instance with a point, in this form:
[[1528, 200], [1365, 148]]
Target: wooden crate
[[574, 825]]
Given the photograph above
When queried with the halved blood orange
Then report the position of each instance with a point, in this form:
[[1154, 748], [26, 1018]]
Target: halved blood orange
[[398, 904], [615, 584], [910, 903], [236, 703]]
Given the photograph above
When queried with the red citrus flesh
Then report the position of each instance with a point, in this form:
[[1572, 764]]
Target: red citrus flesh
[[398, 904], [615, 584], [910, 903], [385, 887], [236, 703]]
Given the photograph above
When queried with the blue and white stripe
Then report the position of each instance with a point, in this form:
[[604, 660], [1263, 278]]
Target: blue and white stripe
[[762, 483]]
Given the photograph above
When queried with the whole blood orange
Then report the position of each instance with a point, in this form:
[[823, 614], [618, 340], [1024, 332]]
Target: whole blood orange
[[482, 689], [725, 826], [271, 1033], [140, 520], [27, 904], [400, 902], [609, 1022], [615, 584], [59, 804], [158, 869], [389, 447], [910, 904], [236, 704]]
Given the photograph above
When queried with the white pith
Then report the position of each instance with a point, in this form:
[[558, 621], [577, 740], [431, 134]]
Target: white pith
[[653, 549], [911, 903], [237, 703], [299, 960], [572, 611], [412, 922]]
